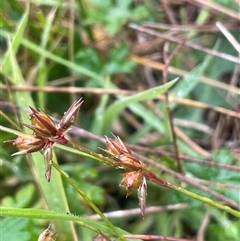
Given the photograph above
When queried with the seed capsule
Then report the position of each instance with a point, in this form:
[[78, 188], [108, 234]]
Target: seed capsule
[[132, 181], [70, 115], [116, 147], [27, 143], [42, 124]]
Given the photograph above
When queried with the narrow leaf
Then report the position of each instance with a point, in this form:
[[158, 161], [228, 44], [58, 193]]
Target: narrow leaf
[[58, 216], [119, 105], [53, 193], [16, 40]]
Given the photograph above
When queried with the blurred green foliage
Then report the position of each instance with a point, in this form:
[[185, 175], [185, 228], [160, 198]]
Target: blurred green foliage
[[113, 15]]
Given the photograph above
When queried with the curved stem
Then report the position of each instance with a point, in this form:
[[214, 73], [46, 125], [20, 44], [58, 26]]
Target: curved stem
[[149, 175], [89, 201], [209, 201], [92, 154], [10, 120], [152, 177], [34, 213], [9, 130]]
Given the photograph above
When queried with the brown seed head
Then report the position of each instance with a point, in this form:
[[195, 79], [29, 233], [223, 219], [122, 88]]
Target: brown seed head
[[70, 115], [116, 147], [27, 143], [130, 160], [132, 181], [42, 124]]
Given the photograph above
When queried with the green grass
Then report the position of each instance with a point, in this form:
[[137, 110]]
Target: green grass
[[50, 44]]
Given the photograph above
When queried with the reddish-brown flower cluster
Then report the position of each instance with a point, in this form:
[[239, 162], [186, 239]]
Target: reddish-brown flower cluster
[[46, 133], [133, 179]]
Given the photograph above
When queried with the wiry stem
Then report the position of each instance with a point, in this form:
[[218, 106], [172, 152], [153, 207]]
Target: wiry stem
[[92, 154], [148, 174], [153, 178], [89, 201], [207, 200]]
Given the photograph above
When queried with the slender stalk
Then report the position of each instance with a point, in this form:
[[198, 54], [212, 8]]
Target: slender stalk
[[10, 120], [149, 175], [9, 130], [209, 201], [168, 60], [34, 213], [92, 154], [89, 201], [152, 177], [84, 14]]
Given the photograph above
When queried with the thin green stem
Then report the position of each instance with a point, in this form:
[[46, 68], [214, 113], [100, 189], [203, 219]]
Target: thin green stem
[[48, 215], [9, 130], [152, 177], [92, 154], [10, 120], [89, 201], [207, 200], [84, 15]]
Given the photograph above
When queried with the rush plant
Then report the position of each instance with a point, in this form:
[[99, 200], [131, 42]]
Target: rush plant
[[175, 148], [46, 134]]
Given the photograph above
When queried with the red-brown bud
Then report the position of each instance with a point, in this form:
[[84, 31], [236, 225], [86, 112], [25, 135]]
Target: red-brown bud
[[130, 160], [116, 147], [27, 143], [42, 124], [119, 150], [111, 149], [70, 115], [132, 181]]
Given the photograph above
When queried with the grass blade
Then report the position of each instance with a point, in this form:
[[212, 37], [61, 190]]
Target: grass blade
[[119, 105], [53, 193], [16, 40], [58, 216]]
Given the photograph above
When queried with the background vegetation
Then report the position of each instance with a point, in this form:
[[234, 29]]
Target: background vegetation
[[53, 52]]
